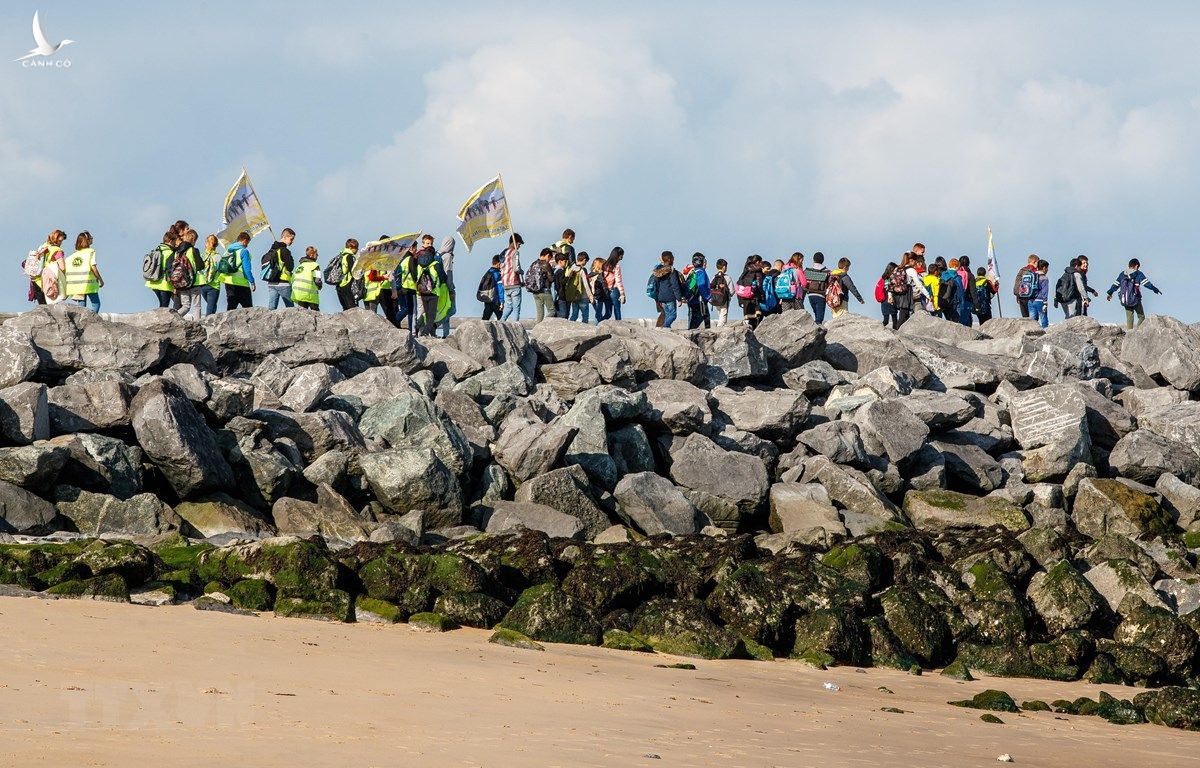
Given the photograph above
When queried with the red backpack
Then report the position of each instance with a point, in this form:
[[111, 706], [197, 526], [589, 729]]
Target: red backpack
[[880, 293]]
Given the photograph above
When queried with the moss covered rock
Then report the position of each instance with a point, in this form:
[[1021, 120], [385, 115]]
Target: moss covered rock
[[938, 510], [1118, 711], [748, 601], [859, 561], [135, 564], [999, 660], [471, 609], [991, 699], [619, 639], [997, 622], [1110, 506], [325, 605], [368, 609], [1035, 705], [108, 588], [956, 670], [920, 628], [885, 649], [301, 570], [513, 562], [1172, 707], [1103, 671], [413, 581], [548, 614], [1137, 665], [431, 621], [684, 628], [514, 639], [252, 595], [1066, 657], [839, 634], [614, 576], [1160, 632], [1064, 599]]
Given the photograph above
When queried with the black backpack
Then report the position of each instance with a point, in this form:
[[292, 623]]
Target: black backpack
[[1065, 290], [948, 293], [487, 288]]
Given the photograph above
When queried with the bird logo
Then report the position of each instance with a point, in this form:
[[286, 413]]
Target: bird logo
[[44, 48]]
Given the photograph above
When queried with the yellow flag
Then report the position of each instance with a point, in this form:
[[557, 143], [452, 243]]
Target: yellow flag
[[485, 214], [243, 211], [386, 254]]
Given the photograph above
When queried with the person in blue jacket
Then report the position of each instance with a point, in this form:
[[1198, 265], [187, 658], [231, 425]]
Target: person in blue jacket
[[695, 279], [1128, 287], [1037, 305], [491, 288], [239, 286]]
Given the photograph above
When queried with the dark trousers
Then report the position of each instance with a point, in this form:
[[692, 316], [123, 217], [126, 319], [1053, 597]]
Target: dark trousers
[[889, 312], [38, 296], [964, 314], [403, 309], [346, 297], [238, 296], [751, 312], [388, 305], [307, 305], [562, 308], [164, 297], [1023, 305], [818, 307], [429, 305], [491, 310], [698, 315], [901, 317]]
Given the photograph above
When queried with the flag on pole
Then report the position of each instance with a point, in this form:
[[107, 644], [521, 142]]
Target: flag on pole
[[485, 214], [243, 211], [993, 269], [386, 254]]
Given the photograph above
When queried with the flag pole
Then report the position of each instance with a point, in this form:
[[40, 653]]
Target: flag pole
[[250, 184], [995, 263], [507, 210]]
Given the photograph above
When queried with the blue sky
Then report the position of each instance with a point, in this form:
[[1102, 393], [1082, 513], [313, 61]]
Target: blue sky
[[1068, 128]]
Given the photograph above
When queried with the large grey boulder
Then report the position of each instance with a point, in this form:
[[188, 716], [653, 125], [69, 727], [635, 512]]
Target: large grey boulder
[[465, 414], [375, 341], [1145, 456], [569, 379], [238, 340], [566, 490], [443, 360], [939, 410], [678, 406], [1165, 347], [404, 479], [697, 463], [804, 509], [970, 467], [947, 510], [955, 366], [271, 378], [558, 339], [23, 512], [507, 378], [1115, 580], [837, 440], [313, 433], [1064, 599], [70, 338], [505, 516], [1109, 506], [732, 351], [589, 447], [190, 380], [529, 448], [174, 436], [222, 514], [24, 413], [375, 385], [922, 325], [330, 516], [888, 426], [629, 448], [813, 379], [850, 490], [1175, 421], [102, 463], [790, 340], [311, 384], [776, 413], [1050, 423], [94, 514], [89, 407], [655, 505], [492, 344], [35, 467], [653, 352], [411, 420], [1180, 499], [18, 358], [613, 361], [860, 344]]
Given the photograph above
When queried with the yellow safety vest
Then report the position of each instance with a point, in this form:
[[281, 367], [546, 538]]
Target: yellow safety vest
[[238, 277], [408, 278], [51, 252], [164, 284], [373, 288], [80, 280], [347, 265], [304, 282], [284, 275], [211, 277]]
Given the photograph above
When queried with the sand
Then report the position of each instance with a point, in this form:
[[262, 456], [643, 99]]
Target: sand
[[100, 684]]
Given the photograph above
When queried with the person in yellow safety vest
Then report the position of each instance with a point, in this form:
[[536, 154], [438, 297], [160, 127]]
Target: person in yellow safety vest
[[306, 281], [190, 302], [277, 270], [344, 292], [211, 278], [432, 290], [83, 281], [239, 279], [404, 287], [375, 283], [162, 286], [49, 251]]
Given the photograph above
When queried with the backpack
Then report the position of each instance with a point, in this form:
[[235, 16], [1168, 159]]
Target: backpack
[[1129, 291], [745, 286], [1065, 291], [880, 293], [425, 282], [719, 291], [358, 287], [152, 266], [181, 271], [486, 293], [981, 299], [50, 285], [333, 273], [785, 284], [1028, 285], [770, 301], [33, 263], [948, 293], [600, 287], [536, 278], [816, 279], [834, 293], [898, 282], [652, 287]]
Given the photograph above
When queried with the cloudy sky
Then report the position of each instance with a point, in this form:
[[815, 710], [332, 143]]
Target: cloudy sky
[[775, 127]]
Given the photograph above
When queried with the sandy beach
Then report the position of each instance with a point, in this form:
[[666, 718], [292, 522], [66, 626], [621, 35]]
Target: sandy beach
[[100, 684]]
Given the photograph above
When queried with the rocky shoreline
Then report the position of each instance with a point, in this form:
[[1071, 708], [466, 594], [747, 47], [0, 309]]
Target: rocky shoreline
[[1006, 499]]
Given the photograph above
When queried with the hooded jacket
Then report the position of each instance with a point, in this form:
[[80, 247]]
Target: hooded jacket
[[446, 256]]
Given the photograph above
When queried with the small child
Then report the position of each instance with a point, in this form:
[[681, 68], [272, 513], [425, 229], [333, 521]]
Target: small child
[[719, 293], [984, 291], [561, 307]]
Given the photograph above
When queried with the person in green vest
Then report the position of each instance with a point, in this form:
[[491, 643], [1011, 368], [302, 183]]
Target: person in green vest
[[83, 281], [210, 286], [240, 282], [306, 281], [344, 293], [49, 251], [190, 298], [432, 290], [162, 286]]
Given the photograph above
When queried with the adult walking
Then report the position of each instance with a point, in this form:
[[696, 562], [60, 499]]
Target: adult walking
[[668, 289], [615, 280], [1025, 284], [82, 281], [816, 280]]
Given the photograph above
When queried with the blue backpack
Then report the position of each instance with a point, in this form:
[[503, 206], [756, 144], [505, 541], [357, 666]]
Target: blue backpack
[[770, 301], [785, 284]]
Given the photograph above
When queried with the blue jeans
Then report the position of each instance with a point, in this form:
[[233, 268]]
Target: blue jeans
[[965, 314], [512, 302], [818, 307], [670, 310], [88, 298], [603, 309], [562, 308], [1037, 310], [889, 312], [579, 310], [277, 292], [405, 309], [210, 296], [615, 295]]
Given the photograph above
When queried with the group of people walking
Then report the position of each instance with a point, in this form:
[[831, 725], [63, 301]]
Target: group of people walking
[[419, 292]]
